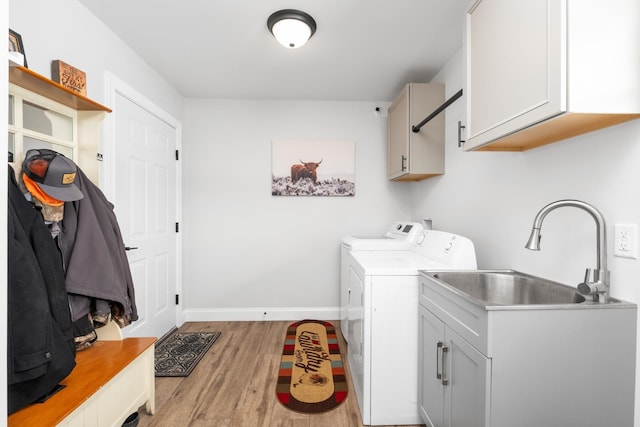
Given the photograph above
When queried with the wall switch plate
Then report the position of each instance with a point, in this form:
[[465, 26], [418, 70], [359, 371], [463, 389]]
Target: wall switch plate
[[625, 242]]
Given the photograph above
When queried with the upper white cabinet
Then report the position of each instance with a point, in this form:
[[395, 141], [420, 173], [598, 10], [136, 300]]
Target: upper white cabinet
[[415, 156], [541, 71], [44, 114]]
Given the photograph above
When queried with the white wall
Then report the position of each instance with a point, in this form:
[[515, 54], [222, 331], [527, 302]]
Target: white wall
[[66, 30], [493, 198], [247, 252]]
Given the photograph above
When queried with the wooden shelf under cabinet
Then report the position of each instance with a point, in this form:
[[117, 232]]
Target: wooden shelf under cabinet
[[44, 86], [558, 128]]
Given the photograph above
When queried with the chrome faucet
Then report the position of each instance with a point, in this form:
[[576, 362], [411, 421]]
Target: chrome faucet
[[596, 281]]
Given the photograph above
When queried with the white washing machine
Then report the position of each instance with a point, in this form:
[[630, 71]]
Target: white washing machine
[[400, 236], [383, 323]]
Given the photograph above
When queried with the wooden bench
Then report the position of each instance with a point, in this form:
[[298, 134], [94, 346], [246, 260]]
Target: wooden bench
[[111, 380]]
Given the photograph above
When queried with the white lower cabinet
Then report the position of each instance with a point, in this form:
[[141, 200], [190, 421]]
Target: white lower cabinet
[[455, 377], [505, 366]]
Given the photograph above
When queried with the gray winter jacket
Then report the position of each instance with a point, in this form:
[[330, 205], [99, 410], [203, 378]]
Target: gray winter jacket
[[93, 251]]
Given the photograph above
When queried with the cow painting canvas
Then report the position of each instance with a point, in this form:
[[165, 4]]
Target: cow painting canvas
[[312, 168]]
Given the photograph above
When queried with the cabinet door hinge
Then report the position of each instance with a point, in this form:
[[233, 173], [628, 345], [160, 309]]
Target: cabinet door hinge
[[177, 299], [177, 227], [177, 154]]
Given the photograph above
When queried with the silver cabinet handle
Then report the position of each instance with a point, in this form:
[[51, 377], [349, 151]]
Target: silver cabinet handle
[[404, 163], [445, 380], [441, 353], [438, 359]]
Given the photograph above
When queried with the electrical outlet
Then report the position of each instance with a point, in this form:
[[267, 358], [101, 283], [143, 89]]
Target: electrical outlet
[[625, 241]]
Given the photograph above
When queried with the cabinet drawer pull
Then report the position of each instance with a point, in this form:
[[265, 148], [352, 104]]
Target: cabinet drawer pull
[[404, 163]]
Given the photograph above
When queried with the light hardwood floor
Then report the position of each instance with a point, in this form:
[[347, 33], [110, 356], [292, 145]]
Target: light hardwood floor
[[234, 384]]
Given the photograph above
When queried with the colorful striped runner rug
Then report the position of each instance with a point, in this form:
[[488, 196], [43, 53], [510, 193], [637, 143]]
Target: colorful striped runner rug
[[311, 378]]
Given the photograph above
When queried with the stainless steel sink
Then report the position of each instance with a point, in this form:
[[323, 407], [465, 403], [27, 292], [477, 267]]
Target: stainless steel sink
[[507, 287]]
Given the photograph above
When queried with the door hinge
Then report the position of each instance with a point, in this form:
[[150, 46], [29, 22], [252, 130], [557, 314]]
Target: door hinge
[[177, 154], [177, 227], [177, 299]]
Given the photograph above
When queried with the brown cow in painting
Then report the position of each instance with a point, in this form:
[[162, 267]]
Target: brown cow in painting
[[305, 170]]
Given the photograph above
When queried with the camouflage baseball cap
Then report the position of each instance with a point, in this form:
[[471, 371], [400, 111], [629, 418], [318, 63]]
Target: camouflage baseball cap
[[53, 173]]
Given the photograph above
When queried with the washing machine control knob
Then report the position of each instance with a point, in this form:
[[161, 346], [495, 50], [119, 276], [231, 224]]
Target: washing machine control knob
[[449, 246], [421, 238]]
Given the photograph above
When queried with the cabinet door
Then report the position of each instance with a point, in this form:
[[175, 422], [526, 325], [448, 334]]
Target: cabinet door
[[516, 66], [455, 378], [469, 384], [36, 122], [430, 388], [398, 136]]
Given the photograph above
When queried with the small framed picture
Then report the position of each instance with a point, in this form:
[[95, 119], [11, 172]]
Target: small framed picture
[[15, 44]]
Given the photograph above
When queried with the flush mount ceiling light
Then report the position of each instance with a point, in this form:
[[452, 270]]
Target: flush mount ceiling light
[[292, 28]]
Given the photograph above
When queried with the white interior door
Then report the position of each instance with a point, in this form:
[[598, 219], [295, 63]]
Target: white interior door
[[145, 203]]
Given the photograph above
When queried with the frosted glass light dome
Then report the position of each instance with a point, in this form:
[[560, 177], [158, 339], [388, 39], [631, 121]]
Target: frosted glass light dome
[[291, 28]]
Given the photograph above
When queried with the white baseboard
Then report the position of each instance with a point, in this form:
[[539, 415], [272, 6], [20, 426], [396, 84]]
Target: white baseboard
[[260, 314]]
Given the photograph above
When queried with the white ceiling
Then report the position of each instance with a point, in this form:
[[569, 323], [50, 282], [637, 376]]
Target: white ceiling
[[363, 50]]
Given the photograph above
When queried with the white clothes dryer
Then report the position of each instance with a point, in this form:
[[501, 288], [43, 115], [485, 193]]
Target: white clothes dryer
[[383, 323], [400, 236]]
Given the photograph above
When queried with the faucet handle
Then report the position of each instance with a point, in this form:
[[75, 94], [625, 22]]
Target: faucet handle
[[590, 276], [587, 289], [595, 283]]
